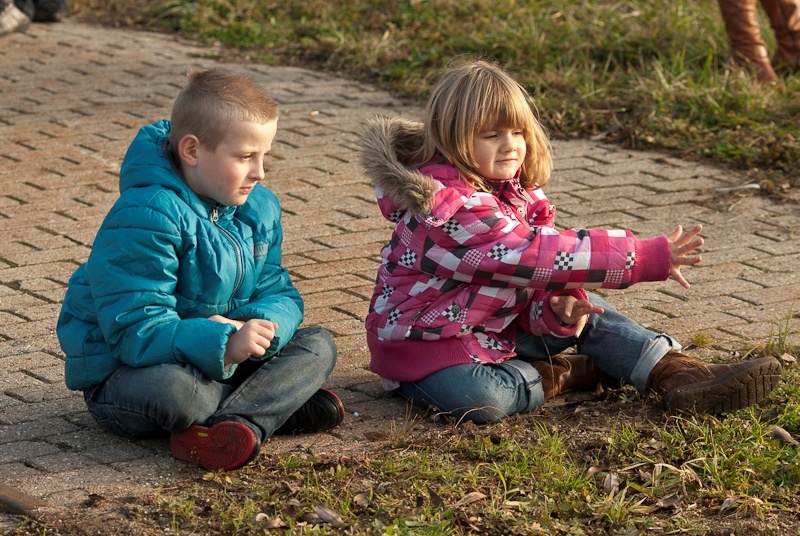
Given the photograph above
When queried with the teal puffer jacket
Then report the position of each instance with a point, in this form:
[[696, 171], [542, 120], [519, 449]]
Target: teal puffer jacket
[[162, 263]]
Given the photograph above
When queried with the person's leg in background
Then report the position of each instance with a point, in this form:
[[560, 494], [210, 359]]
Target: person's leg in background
[[43, 10], [748, 48], [12, 19], [784, 17]]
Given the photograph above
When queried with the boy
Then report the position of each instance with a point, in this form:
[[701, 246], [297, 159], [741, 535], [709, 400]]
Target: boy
[[182, 319]]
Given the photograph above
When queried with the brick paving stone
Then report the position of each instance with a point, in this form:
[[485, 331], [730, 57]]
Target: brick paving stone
[[763, 296], [22, 451], [366, 251], [698, 320], [42, 428], [17, 472], [16, 380], [71, 99], [777, 313]]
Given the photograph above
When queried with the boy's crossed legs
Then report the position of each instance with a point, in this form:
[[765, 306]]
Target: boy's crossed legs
[[221, 425]]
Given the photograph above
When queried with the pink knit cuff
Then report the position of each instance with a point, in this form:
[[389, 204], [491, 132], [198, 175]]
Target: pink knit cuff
[[652, 260]]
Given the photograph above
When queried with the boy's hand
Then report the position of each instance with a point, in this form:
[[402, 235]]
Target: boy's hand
[[238, 324], [572, 311], [252, 339], [680, 244]]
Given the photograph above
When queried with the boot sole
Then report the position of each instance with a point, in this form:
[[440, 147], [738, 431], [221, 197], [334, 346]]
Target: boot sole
[[222, 447], [739, 389]]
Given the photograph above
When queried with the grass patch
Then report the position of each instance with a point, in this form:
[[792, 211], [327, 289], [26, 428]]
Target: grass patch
[[637, 72], [628, 468]]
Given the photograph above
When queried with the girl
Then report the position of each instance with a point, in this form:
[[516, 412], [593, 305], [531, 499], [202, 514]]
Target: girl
[[478, 293]]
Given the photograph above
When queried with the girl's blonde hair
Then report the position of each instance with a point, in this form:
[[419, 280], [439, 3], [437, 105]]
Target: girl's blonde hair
[[213, 100], [480, 96]]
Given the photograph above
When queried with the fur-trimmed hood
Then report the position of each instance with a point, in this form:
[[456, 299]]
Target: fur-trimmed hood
[[387, 145]]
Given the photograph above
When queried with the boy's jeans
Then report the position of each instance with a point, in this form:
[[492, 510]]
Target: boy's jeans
[[484, 393], [141, 402]]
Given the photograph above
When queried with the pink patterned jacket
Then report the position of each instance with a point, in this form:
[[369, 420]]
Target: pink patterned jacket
[[465, 269]]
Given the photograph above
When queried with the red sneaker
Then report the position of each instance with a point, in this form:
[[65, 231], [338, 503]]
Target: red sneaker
[[226, 445]]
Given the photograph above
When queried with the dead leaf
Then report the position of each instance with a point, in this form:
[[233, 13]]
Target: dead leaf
[[436, 500], [263, 520], [654, 445], [361, 500], [291, 487], [669, 502], [328, 516], [776, 432], [788, 358], [594, 470], [514, 504], [611, 484], [646, 476], [727, 504], [274, 523], [375, 436], [311, 517], [470, 497], [290, 508]]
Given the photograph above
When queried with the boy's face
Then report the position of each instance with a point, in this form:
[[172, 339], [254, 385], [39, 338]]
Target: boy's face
[[499, 153], [228, 174]]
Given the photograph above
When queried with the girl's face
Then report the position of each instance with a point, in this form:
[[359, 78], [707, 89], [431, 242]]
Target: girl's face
[[499, 153]]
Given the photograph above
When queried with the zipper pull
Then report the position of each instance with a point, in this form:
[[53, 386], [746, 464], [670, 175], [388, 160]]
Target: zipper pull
[[215, 214]]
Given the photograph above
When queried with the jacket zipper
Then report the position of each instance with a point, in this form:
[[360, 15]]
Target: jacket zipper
[[239, 263]]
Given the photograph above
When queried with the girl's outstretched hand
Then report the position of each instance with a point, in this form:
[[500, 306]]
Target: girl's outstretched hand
[[572, 311], [680, 245]]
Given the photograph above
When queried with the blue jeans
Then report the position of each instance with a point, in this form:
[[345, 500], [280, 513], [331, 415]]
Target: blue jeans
[[148, 401], [485, 393]]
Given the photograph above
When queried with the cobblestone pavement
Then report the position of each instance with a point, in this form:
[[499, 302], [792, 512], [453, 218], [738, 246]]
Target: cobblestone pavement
[[71, 99]]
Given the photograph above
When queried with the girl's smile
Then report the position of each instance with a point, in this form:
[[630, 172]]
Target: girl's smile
[[499, 153]]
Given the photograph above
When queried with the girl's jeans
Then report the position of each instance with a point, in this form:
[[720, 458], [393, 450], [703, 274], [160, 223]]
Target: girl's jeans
[[484, 393], [147, 401]]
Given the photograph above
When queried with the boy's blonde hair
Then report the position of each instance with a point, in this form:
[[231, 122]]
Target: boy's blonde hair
[[213, 100], [480, 96]]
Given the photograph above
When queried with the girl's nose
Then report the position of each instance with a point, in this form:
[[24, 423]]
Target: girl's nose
[[507, 144]]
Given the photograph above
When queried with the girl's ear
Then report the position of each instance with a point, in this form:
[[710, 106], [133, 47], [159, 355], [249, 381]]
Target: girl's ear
[[187, 149]]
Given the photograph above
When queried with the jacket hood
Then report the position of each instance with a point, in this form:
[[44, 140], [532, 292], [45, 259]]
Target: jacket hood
[[387, 145], [146, 163]]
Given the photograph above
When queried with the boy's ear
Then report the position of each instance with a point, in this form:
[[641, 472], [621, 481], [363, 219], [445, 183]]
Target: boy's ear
[[187, 149]]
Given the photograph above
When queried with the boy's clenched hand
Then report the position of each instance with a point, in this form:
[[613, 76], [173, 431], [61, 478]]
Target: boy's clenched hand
[[252, 338]]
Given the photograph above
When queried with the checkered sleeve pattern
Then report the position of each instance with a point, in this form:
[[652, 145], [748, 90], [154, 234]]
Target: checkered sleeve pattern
[[484, 244]]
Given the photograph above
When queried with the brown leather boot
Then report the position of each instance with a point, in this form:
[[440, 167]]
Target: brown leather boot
[[551, 372], [686, 384], [747, 46], [784, 17], [570, 372]]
